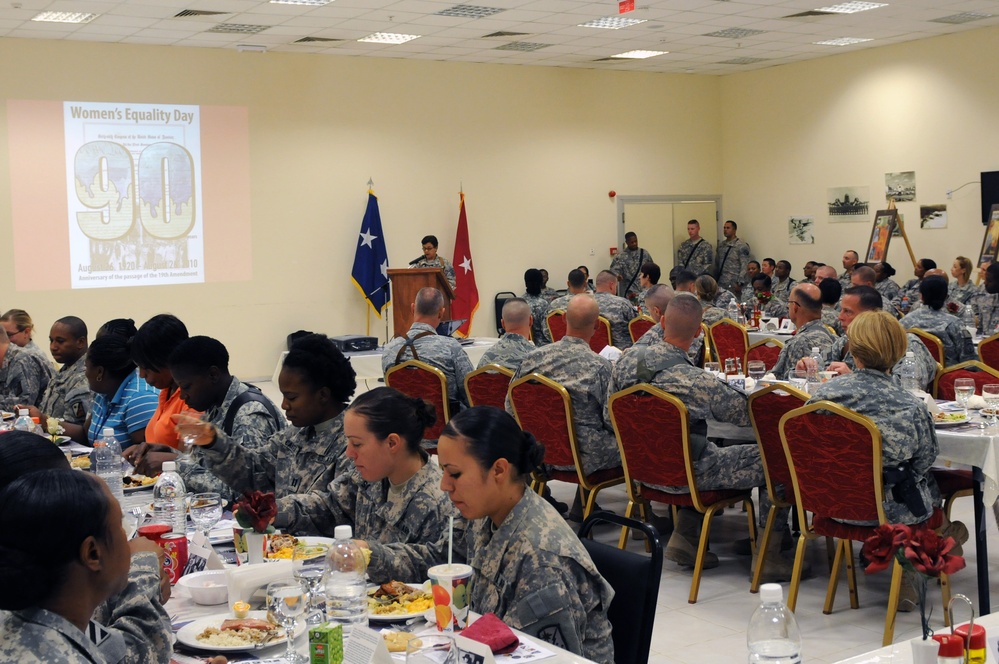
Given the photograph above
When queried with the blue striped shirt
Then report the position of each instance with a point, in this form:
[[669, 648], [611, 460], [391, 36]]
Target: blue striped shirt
[[129, 410]]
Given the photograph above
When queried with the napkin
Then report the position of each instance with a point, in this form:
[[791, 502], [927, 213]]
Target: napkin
[[612, 353], [493, 632], [769, 378], [976, 402], [930, 402]]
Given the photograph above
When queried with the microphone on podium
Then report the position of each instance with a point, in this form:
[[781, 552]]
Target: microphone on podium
[[416, 260]]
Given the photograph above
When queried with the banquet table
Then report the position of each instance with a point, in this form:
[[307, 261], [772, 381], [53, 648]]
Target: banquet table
[[901, 653], [183, 610]]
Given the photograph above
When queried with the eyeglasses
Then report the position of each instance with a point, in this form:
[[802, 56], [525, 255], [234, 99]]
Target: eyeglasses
[[15, 333], [790, 302]]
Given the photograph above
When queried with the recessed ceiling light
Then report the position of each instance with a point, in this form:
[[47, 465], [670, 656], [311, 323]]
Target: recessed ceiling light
[[311, 3], [522, 46], [963, 17], [239, 28], [851, 7], [611, 22], [388, 38], [64, 17], [639, 55], [841, 41], [468, 11], [734, 33]]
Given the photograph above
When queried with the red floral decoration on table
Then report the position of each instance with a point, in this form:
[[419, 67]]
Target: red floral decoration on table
[[256, 510], [764, 296], [919, 550]]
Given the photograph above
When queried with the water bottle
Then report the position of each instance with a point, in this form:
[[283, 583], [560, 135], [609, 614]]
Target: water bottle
[[816, 355], [905, 304], [773, 635], [107, 462], [733, 310], [23, 422], [346, 597], [169, 493], [908, 373], [968, 320]]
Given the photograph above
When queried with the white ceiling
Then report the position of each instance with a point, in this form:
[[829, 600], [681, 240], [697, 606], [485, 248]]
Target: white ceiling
[[678, 26]]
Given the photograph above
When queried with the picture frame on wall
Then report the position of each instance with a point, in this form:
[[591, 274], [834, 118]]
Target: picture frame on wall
[[990, 245], [885, 222]]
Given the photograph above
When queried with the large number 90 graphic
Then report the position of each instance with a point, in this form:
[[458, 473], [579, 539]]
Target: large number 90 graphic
[[105, 175]]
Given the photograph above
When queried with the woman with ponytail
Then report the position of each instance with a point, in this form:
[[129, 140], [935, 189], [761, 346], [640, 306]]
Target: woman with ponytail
[[529, 568], [392, 497]]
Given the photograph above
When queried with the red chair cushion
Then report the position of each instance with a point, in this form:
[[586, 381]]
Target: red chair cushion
[[540, 410], [945, 385], [640, 326], [651, 459], [601, 337], [767, 411], [935, 350], [488, 389], [768, 354], [556, 325], [416, 382], [729, 341], [989, 352]]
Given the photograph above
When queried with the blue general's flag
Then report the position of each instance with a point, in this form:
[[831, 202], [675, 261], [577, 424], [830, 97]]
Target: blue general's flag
[[370, 272]]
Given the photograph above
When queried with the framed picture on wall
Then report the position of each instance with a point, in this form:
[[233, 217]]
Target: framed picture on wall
[[990, 245], [884, 223]]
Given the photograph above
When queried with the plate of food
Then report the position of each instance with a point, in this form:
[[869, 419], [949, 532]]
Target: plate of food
[[81, 462], [6, 414], [395, 601], [60, 440], [223, 633], [280, 547], [136, 482], [949, 419]]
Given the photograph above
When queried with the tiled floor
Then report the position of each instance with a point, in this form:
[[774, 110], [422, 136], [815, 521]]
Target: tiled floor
[[713, 630]]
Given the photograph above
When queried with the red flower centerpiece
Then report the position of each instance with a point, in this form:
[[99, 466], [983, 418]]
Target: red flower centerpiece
[[256, 510], [764, 296], [919, 550]]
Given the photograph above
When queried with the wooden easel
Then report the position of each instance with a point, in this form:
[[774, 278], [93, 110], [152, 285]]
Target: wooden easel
[[901, 229]]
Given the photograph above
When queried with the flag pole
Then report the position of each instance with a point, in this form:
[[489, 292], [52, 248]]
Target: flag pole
[[367, 310]]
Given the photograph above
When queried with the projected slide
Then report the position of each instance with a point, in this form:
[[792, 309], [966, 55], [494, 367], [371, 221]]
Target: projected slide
[[133, 174]]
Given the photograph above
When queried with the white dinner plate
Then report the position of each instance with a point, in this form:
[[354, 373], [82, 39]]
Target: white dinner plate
[[187, 634], [951, 423], [308, 540], [401, 617]]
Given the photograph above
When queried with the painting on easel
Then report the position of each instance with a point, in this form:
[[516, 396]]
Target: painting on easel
[[990, 245], [884, 223]]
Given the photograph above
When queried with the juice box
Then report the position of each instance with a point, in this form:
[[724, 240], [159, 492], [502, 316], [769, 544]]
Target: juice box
[[326, 644]]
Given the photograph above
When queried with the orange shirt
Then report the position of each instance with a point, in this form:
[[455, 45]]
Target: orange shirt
[[161, 428]]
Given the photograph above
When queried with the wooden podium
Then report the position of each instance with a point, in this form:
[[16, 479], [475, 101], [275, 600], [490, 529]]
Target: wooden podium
[[406, 283]]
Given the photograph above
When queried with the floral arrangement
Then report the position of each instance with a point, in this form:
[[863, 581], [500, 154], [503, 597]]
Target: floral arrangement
[[919, 550], [256, 510], [764, 296]]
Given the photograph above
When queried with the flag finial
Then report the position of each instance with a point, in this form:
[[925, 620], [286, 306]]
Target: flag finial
[[371, 183]]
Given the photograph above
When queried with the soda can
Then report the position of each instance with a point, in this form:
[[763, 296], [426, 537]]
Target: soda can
[[174, 547], [154, 531]]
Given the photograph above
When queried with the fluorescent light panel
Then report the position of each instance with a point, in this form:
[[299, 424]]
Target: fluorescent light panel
[[521, 46], [851, 7], [64, 17], [734, 33], [963, 17], [841, 41], [388, 38], [310, 3], [639, 55], [611, 22], [238, 28], [468, 11]]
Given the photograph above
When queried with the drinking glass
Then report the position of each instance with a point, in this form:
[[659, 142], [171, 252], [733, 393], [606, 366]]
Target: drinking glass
[[206, 511], [964, 389], [308, 563], [757, 369], [286, 600], [991, 395], [432, 649], [712, 366]]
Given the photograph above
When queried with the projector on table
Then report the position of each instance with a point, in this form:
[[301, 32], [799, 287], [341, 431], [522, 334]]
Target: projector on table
[[352, 343]]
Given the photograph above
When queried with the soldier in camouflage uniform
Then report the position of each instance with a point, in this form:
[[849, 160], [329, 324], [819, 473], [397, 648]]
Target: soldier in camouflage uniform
[[68, 395], [695, 253], [529, 568], [806, 313], [724, 298], [706, 290], [667, 367], [391, 495], [648, 277], [513, 347], [585, 375], [20, 329], [547, 292], [907, 435], [141, 628], [617, 310], [627, 265], [910, 289], [986, 302], [889, 289], [748, 294], [576, 284], [774, 307], [731, 259], [23, 377], [657, 299], [831, 293], [850, 258], [782, 285], [539, 306], [316, 381], [431, 259], [839, 358], [931, 317], [424, 344]]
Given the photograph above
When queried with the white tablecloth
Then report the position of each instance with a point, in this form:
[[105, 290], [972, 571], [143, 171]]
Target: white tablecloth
[[973, 447], [901, 653]]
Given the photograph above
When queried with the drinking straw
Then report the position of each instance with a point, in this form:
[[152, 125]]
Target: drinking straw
[[450, 538]]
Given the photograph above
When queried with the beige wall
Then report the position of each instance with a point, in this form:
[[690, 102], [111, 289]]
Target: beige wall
[[537, 150], [791, 132]]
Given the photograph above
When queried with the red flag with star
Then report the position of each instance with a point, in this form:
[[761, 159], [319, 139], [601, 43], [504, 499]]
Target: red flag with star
[[466, 295]]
